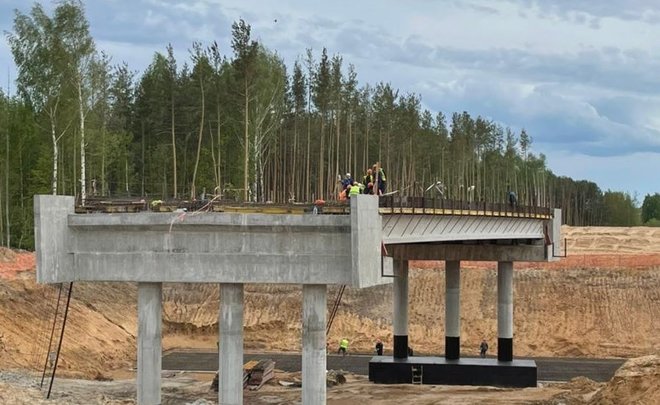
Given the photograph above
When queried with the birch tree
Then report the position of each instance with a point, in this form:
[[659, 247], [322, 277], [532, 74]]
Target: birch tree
[[79, 50], [38, 52], [267, 109], [245, 51]]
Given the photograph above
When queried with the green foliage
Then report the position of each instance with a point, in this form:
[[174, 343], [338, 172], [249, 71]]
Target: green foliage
[[239, 126], [651, 208], [620, 209]]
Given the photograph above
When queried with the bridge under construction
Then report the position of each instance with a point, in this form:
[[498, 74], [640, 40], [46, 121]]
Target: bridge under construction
[[364, 244]]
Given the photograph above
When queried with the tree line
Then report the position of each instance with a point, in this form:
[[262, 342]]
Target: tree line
[[241, 124]]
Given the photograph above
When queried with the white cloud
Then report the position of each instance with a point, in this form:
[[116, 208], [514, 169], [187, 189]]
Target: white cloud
[[634, 173], [579, 75], [519, 27]]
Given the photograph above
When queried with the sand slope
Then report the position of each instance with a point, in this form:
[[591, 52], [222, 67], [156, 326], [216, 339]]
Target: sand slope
[[589, 304]]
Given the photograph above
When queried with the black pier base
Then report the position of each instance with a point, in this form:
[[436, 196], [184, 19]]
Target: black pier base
[[452, 347], [440, 371]]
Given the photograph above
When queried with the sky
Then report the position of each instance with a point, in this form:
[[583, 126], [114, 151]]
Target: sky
[[581, 76]]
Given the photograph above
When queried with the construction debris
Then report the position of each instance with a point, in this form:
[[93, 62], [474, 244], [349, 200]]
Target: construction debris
[[335, 377], [255, 374], [261, 373], [332, 378]]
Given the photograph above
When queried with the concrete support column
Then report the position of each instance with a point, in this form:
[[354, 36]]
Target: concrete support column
[[313, 344], [230, 387], [505, 311], [149, 350], [452, 310], [400, 310]]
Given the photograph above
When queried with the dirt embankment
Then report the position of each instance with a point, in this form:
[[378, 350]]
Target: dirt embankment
[[589, 304]]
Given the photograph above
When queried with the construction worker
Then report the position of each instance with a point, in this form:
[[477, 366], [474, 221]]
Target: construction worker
[[513, 198], [343, 347], [379, 347], [368, 181], [354, 190], [379, 174], [483, 348], [346, 183]]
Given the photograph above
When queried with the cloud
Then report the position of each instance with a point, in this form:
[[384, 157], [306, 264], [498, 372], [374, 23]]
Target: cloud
[[630, 173], [556, 118], [635, 10], [579, 75], [157, 22]]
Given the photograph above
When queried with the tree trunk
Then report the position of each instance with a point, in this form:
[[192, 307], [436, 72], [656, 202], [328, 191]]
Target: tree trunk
[[104, 182], [308, 158], [175, 193], [337, 170], [55, 156], [126, 175], [142, 160], [294, 188], [320, 188], [247, 145], [199, 142], [83, 173], [8, 226]]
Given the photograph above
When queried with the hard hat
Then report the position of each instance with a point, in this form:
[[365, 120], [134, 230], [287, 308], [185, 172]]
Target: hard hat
[[348, 175]]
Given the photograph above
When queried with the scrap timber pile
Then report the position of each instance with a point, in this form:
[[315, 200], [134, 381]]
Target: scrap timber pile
[[255, 374], [260, 374]]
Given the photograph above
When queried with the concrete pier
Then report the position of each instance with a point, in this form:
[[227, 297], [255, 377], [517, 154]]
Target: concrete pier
[[400, 309], [149, 350], [452, 310], [505, 311], [230, 389], [313, 343]]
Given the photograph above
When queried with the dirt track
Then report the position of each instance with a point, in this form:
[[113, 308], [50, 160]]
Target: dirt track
[[555, 369]]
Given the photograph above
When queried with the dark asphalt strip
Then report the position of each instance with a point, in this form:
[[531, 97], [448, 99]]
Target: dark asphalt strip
[[549, 369]]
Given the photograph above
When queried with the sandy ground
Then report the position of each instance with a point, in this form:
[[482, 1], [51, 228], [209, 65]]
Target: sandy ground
[[636, 382], [601, 301]]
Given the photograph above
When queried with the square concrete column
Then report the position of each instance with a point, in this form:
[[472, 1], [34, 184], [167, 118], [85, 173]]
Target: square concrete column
[[400, 309], [230, 387], [149, 350], [505, 311], [452, 310], [313, 344]]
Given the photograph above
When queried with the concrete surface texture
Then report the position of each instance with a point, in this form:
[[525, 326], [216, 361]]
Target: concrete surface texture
[[231, 249], [208, 247]]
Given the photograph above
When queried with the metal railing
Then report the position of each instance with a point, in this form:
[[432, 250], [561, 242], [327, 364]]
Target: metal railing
[[423, 205], [392, 204]]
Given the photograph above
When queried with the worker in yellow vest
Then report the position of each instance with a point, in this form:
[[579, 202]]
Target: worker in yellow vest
[[354, 190], [343, 347]]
